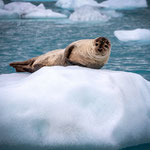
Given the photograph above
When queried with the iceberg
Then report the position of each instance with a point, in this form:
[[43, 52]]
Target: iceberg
[[20, 7], [123, 4], [133, 35], [72, 4], [28, 10], [109, 109], [1, 4], [8, 14], [88, 13], [47, 13]]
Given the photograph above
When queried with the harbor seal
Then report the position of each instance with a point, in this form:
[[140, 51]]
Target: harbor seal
[[91, 53]]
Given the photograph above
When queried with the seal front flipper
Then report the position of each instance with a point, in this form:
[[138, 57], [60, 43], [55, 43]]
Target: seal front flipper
[[24, 66], [67, 55]]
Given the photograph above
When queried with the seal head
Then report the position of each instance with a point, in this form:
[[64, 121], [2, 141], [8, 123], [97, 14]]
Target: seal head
[[102, 46], [92, 53]]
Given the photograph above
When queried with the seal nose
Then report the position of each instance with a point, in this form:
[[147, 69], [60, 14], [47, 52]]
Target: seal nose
[[100, 49]]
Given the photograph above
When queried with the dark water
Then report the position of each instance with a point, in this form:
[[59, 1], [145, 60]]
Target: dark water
[[23, 39], [31, 147]]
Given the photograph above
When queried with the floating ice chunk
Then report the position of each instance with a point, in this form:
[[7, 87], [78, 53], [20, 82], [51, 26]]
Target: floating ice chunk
[[8, 14], [88, 13], [133, 35], [1, 4], [41, 6], [21, 7], [72, 4], [47, 13], [28, 10], [123, 4], [98, 107]]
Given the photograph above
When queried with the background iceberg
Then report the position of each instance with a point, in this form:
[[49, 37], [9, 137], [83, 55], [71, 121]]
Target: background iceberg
[[8, 14], [93, 14], [1, 4], [123, 4], [72, 4], [44, 13], [21, 7], [105, 108], [88, 13], [133, 35], [29, 10]]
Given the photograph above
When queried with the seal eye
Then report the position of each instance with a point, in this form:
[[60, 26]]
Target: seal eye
[[96, 44], [106, 46]]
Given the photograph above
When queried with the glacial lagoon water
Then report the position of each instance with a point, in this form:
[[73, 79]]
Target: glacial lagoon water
[[21, 39]]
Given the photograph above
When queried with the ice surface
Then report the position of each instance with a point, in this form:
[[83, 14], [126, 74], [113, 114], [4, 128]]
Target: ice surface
[[123, 4], [88, 13], [41, 6], [47, 13], [8, 14], [133, 35], [72, 4], [11, 78], [28, 10], [1, 4], [100, 107], [21, 7]]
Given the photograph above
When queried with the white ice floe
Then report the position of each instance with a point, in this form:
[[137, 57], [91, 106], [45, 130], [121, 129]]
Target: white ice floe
[[47, 13], [21, 7], [41, 6], [72, 4], [28, 10], [88, 13], [1, 4], [105, 108], [123, 4], [133, 35], [8, 14], [91, 13]]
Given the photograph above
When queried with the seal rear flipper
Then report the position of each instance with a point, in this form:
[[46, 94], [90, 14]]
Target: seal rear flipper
[[23, 66]]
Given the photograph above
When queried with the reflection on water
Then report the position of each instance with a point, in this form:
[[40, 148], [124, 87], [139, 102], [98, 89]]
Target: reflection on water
[[23, 39]]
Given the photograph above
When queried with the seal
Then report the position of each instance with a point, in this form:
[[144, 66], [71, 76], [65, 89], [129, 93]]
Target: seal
[[91, 53]]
